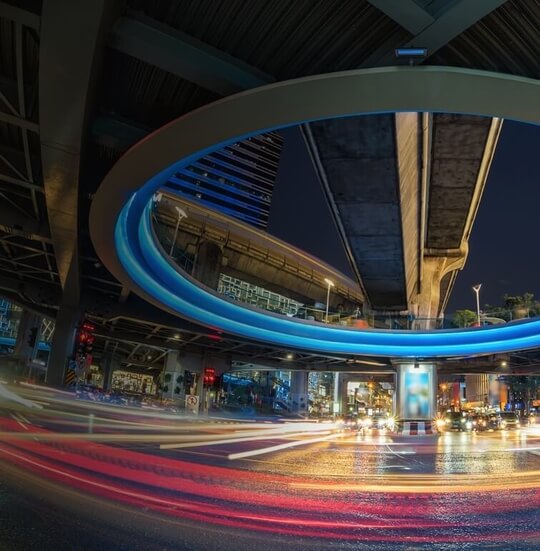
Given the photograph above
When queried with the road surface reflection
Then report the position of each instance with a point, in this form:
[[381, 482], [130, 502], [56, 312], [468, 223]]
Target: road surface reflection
[[281, 479]]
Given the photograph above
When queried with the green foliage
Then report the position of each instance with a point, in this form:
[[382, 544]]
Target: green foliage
[[515, 307], [464, 318]]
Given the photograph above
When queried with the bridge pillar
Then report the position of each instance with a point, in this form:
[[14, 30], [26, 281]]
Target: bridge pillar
[[416, 392], [298, 395], [173, 378], [207, 266], [109, 364], [184, 375], [62, 344], [428, 299], [338, 407]]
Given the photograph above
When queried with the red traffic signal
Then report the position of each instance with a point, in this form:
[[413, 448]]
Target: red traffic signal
[[85, 339], [209, 376]]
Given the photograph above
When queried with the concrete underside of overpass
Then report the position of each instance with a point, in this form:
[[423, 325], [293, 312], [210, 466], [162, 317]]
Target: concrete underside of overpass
[[404, 189]]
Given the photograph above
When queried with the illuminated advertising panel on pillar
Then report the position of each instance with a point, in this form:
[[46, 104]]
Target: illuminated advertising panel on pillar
[[416, 398]]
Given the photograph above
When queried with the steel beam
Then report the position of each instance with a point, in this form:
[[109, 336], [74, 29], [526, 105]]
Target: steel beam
[[406, 13], [116, 134], [14, 223], [19, 122], [456, 19], [184, 56], [42, 295], [20, 15], [20, 183]]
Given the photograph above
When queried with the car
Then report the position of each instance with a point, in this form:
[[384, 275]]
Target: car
[[86, 391], [510, 421], [455, 420], [351, 422], [493, 421], [479, 422], [365, 422], [383, 422]]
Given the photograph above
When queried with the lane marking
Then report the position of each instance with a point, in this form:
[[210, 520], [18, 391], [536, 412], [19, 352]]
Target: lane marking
[[21, 416], [271, 449], [16, 417]]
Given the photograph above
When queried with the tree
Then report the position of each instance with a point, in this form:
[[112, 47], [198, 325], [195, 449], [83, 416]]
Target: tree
[[464, 318], [522, 306]]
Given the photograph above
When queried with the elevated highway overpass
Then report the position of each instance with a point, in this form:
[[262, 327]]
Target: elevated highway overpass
[[404, 190]]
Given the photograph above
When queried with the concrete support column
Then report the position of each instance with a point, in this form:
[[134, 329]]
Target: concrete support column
[[171, 361], [338, 393], [427, 301], [298, 395], [189, 368], [109, 364], [207, 265], [62, 344], [416, 392], [173, 378]]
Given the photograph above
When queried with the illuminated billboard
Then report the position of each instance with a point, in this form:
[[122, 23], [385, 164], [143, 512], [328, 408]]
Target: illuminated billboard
[[416, 392]]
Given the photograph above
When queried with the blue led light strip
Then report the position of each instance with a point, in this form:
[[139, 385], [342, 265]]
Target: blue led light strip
[[139, 252]]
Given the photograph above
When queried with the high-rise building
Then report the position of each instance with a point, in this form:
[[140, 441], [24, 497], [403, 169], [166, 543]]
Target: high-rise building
[[237, 180]]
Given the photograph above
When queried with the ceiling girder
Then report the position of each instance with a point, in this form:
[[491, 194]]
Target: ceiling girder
[[183, 56]]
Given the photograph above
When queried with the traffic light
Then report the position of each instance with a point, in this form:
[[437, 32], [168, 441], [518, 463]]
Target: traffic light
[[85, 341], [209, 377], [32, 336], [188, 379]]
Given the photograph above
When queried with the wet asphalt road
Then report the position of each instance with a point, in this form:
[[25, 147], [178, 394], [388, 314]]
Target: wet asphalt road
[[40, 519], [375, 490]]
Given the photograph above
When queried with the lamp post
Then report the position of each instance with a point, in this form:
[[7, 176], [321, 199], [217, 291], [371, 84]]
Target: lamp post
[[330, 284], [181, 216], [476, 289]]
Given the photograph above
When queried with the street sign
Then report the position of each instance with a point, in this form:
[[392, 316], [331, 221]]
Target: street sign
[[192, 403]]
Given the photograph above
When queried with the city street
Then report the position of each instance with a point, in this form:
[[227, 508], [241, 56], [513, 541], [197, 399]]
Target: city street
[[107, 476], [266, 275]]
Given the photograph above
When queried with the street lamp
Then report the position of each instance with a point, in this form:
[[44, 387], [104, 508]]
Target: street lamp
[[330, 284], [476, 289], [181, 216]]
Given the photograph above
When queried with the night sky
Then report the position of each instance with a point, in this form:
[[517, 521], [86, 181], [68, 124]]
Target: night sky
[[503, 253]]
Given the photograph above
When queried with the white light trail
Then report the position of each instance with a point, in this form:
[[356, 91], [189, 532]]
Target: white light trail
[[271, 449], [236, 440]]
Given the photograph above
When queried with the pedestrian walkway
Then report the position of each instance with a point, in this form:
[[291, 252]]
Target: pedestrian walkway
[[416, 428]]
